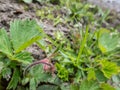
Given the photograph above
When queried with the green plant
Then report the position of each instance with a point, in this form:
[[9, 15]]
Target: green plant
[[13, 56], [51, 14], [84, 13], [88, 56]]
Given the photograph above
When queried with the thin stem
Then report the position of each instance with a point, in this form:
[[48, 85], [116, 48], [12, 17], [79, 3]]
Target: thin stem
[[36, 63], [83, 44]]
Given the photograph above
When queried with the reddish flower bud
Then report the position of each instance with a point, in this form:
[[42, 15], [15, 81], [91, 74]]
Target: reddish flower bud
[[48, 66]]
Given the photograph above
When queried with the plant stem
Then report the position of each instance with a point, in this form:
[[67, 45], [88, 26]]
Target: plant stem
[[83, 44]]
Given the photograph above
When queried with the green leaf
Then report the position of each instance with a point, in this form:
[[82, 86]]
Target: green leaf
[[62, 72], [42, 44], [5, 45], [23, 57], [32, 84], [74, 87], [117, 88], [64, 86], [109, 68], [2, 56], [83, 44], [1, 66], [6, 72], [25, 81], [27, 1], [91, 75], [89, 85], [78, 75], [116, 81], [106, 86], [108, 42], [38, 73], [46, 87], [24, 33], [14, 80], [100, 76]]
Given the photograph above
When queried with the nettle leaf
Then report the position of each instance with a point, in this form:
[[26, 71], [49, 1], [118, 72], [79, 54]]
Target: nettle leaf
[[109, 68], [89, 85], [108, 42], [39, 75], [24, 33], [106, 86], [32, 84], [102, 31], [23, 57], [5, 45], [14, 80], [100, 76], [91, 75]]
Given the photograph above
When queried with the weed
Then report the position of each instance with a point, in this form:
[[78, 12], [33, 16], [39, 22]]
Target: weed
[[14, 57], [86, 58]]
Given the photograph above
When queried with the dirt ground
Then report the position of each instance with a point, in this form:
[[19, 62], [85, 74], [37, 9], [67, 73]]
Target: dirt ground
[[10, 10]]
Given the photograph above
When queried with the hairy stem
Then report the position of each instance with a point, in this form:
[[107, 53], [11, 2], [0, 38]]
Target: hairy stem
[[34, 64]]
